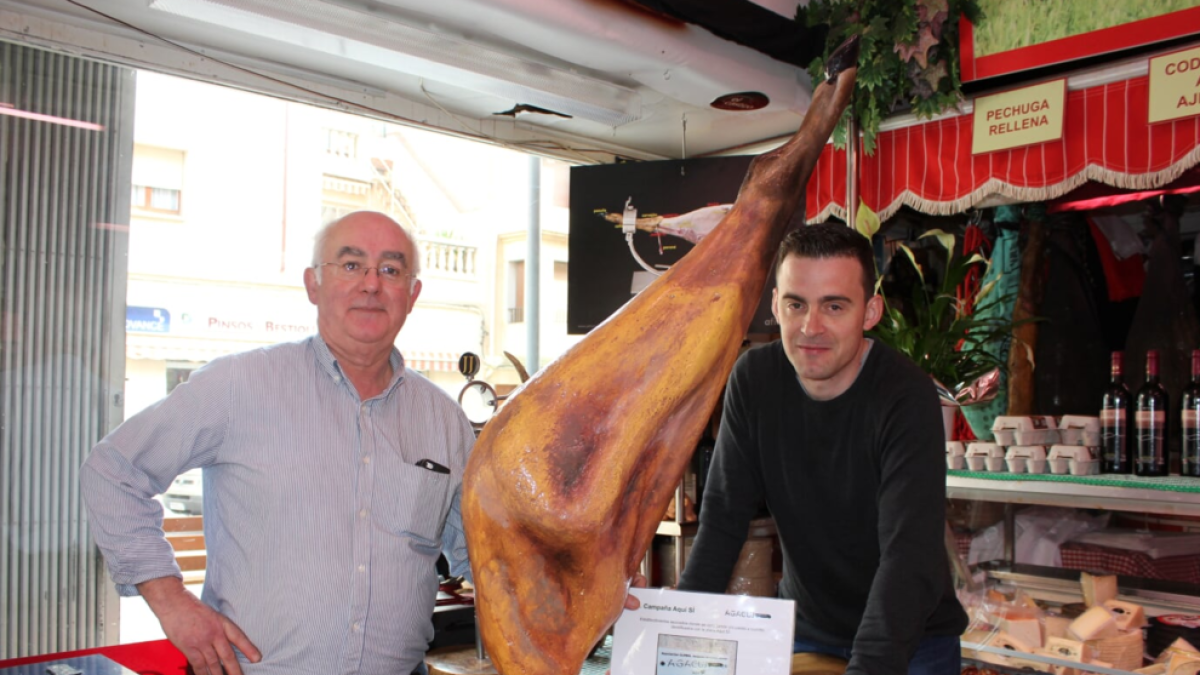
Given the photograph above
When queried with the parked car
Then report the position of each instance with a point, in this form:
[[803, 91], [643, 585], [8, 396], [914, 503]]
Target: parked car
[[186, 494]]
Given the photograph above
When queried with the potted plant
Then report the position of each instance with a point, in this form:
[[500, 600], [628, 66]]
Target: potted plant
[[954, 340], [909, 58]]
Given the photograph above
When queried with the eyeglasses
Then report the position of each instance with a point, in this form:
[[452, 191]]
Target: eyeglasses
[[353, 271]]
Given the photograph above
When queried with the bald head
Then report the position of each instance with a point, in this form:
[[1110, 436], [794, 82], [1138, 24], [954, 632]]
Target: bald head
[[321, 239]]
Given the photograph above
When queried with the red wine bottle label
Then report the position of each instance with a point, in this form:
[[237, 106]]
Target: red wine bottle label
[[1113, 434], [1191, 440], [1151, 450], [1150, 418]]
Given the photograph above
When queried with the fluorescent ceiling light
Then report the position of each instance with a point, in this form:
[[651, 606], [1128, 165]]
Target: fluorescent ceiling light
[[370, 39], [12, 111]]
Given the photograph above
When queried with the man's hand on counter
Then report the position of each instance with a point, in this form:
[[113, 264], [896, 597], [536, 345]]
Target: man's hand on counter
[[204, 636]]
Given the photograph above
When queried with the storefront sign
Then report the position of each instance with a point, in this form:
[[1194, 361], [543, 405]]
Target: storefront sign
[[245, 325], [1017, 36], [1019, 117], [1175, 85], [147, 320]]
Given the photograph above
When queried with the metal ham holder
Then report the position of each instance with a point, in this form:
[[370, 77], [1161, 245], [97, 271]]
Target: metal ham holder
[[479, 402]]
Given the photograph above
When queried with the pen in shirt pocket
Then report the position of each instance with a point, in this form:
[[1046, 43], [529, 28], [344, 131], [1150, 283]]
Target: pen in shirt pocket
[[432, 466]]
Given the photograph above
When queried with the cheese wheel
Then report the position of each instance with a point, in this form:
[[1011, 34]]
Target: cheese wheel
[[1094, 624], [1023, 599], [1065, 649], [1098, 589], [1028, 631], [1127, 615], [1182, 663], [1178, 646], [1056, 626]]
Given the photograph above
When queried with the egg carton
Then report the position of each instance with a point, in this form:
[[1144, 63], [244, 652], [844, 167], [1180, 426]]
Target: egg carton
[[1076, 460], [1032, 429], [982, 456], [956, 455], [1079, 430], [1026, 459]]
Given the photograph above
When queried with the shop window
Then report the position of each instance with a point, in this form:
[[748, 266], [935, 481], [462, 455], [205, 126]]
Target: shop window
[[341, 143], [178, 373], [516, 291], [157, 179], [331, 212], [149, 198]]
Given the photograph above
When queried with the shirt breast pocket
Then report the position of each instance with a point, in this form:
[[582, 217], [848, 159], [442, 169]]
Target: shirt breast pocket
[[414, 503]]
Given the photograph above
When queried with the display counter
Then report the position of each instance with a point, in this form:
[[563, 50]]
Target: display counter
[[156, 656], [1173, 495], [1169, 495]]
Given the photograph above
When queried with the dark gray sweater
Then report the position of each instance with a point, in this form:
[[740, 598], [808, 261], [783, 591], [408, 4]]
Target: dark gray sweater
[[857, 487]]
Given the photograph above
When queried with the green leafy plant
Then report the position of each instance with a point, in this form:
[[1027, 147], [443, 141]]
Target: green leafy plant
[[909, 55], [933, 328]]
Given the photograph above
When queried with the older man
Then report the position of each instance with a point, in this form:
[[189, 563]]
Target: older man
[[332, 478]]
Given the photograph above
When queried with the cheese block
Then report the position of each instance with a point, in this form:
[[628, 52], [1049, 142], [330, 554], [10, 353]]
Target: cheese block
[[1098, 588], [1095, 624], [1023, 599], [1056, 626], [1004, 640], [1064, 648], [1183, 663], [1127, 615], [1186, 668], [1178, 646], [1028, 631]]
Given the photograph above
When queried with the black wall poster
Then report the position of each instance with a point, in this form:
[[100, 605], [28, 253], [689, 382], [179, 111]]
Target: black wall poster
[[677, 202]]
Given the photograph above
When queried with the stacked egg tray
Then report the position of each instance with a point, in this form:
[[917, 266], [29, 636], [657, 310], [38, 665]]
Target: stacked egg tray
[[1034, 445]]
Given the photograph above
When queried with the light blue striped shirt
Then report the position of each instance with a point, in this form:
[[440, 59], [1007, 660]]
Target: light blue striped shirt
[[322, 533]]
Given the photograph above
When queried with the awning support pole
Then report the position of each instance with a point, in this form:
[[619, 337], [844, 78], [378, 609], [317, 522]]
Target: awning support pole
[[851, 166]]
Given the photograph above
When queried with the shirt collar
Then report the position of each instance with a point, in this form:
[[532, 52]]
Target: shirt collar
[[328, 363]]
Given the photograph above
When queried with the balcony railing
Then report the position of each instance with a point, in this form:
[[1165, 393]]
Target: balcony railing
[[446, 259]]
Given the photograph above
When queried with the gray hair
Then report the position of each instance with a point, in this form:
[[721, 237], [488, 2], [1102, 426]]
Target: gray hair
[[322, 237]]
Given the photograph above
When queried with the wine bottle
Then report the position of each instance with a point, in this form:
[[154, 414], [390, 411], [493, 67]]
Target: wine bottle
[[1190, 421], [1150, 420], [1115, 419]]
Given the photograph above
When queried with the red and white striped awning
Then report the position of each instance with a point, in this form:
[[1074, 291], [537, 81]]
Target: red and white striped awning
[[929, 167], [427, 362]]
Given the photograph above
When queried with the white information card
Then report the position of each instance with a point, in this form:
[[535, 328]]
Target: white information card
[[681, 633]]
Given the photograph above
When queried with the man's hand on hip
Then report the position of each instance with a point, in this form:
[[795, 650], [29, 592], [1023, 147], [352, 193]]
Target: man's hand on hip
[[204, 636]]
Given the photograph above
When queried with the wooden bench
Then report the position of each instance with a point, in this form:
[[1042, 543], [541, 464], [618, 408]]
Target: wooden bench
[[186, 535]]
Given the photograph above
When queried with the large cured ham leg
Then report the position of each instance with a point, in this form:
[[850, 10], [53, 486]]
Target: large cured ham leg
[[567, 484]]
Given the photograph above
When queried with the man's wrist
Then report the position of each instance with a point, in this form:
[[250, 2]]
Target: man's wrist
[[160, 590]]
